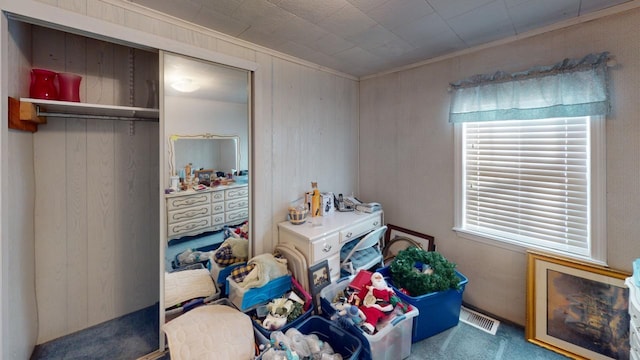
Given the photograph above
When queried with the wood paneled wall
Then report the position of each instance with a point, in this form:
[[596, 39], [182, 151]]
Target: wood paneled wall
[[97, 191]]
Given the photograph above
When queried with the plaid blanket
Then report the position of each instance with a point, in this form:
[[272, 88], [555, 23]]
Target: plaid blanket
[[224, 256], [238, 274]]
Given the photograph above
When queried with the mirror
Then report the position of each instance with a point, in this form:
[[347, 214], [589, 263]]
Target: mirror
[[218, 153], [207, 116]]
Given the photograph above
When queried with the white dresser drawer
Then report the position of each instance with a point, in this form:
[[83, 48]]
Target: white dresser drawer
[[217, 219], [359, 229], [325, 247], [235, 193], [217, 196], [217, 207], [189, 226], [237, 215], [180, 202], [189, 213], [236, 204]]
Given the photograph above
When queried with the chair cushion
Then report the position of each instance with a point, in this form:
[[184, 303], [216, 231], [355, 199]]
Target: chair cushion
[[361, 257]]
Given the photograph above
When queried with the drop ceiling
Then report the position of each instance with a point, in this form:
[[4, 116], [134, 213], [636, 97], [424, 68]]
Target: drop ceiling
[[364, 37]]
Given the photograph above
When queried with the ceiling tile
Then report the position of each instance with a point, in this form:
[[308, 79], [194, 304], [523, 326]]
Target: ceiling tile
[[219, 22], [392, 49], [483, 24], [299, 30], [313, 11], [226, 7], [183, 9], [367, 5], [348, 21], [330, 44], [373, 37], [534, 13], [448, 8], [397, 13], [417, 31], [263, 15]]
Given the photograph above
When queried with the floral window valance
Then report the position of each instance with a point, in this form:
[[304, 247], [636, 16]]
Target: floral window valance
[[572, 87]]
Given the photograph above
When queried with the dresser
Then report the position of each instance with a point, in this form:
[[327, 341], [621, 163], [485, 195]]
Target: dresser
[[634, 315], [194, 212], [321, 239]]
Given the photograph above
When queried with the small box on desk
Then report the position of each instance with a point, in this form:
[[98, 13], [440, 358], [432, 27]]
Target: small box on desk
[[245, 299], [439, 311]]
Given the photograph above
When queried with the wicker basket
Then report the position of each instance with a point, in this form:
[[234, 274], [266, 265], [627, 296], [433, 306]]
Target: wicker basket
[[298, 216]]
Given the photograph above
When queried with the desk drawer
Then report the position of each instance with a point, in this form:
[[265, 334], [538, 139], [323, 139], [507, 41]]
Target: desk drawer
[[360, 229], [325, 247], [189, 213], [182, 202]]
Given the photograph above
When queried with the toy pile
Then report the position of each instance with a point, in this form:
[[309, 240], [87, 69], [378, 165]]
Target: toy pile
[[368, 302]]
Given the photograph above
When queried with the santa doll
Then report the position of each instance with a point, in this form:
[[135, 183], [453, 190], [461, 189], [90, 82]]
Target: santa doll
[[375, 301]]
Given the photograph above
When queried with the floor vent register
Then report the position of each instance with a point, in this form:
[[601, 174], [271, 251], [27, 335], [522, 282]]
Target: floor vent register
[[479, 320]]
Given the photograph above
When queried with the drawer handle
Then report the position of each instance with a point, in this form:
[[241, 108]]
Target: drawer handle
[[327, 248], [349, 234], [375, 223]]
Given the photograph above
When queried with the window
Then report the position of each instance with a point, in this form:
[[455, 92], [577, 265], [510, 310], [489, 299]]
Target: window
[[534, 183], [530, 155]]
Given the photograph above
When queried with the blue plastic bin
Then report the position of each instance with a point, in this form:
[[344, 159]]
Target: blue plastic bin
[[439, 311], [246, 299], [342, 341]]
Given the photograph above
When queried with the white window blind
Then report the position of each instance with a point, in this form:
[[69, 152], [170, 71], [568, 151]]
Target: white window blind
[[528, 182]]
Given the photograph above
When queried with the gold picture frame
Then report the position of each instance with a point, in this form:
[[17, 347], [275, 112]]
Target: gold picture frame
[[204, 176], [577, 309]]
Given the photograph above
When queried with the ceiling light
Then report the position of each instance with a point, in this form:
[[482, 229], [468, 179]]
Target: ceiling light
[[185, 85]]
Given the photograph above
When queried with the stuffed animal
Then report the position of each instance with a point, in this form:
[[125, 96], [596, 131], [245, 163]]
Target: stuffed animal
[[348, 312], [376, 301]]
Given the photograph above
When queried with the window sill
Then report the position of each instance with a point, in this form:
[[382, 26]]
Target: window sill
[[516, 246]]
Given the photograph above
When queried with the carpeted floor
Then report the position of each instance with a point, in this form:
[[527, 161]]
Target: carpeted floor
[[127, 337], [135, 335], [465, 342]]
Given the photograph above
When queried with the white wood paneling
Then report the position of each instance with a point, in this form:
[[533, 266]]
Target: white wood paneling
[[96, 241], [409, 111]]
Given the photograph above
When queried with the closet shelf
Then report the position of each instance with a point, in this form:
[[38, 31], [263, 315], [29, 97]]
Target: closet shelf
[[28, 110], [91, 111]]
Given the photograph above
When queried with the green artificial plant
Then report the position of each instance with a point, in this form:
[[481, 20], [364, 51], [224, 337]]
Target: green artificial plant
[[420, 272]]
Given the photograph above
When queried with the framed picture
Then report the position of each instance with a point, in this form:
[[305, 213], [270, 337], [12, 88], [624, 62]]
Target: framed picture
[[577, 309], [204, 176], [319, 278], [398, 238]]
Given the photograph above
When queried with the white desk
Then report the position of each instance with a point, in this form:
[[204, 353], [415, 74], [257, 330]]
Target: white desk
[[322, 242]]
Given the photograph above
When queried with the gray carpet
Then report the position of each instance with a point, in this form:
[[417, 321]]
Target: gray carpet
[[465, 342], [127, 337], [136, 334]]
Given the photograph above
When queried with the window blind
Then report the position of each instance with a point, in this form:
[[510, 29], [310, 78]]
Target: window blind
[[528, 181]]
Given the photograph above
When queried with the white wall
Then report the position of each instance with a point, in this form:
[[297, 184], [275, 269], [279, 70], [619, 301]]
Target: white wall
[[305, 129], [407, 151]]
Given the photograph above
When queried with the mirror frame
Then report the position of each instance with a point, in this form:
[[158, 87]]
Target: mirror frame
[[206, 136]]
